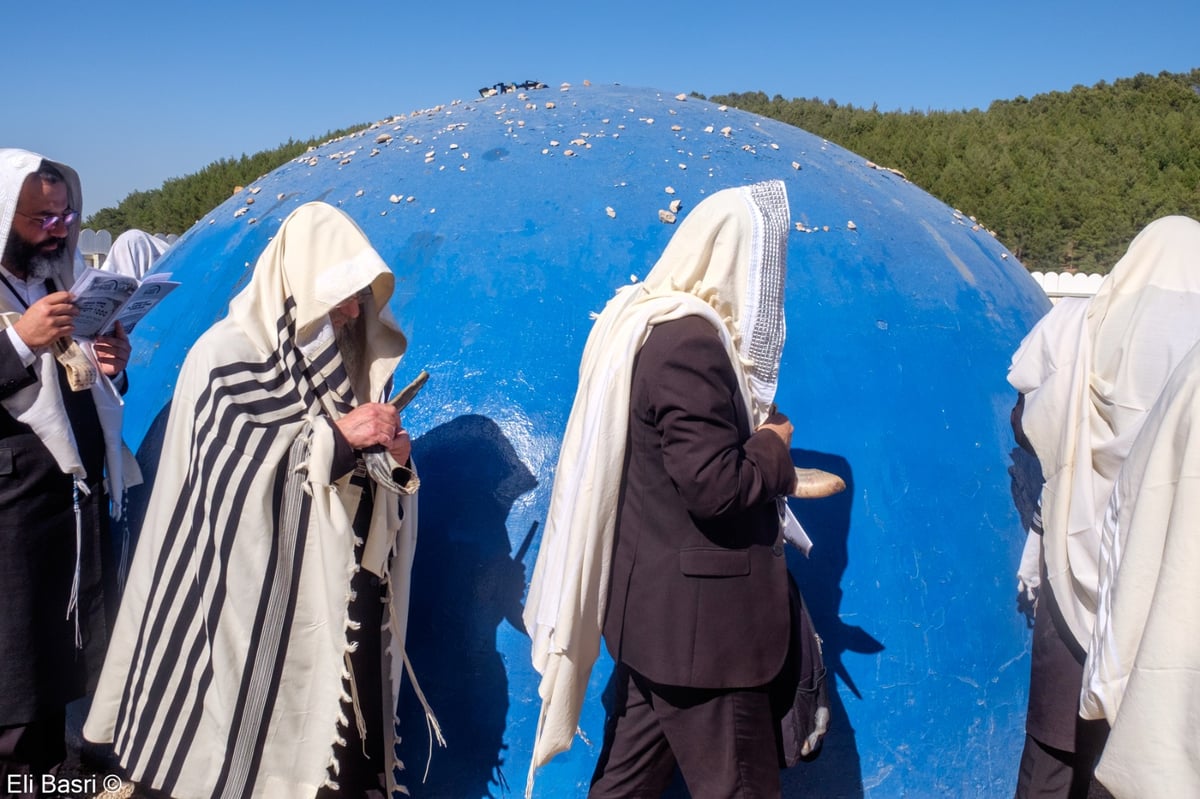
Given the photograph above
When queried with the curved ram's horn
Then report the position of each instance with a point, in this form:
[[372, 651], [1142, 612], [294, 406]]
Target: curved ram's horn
[[817, 483]]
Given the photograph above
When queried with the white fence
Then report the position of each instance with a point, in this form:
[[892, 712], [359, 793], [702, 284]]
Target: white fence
[[1067, 284]]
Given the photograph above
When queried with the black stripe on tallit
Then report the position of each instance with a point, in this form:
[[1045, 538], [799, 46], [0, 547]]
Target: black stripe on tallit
[[186, 734], [336, 387], [183, 735], [274, 665], [220, 474], [165, 588], [268, 647], [212, 409]]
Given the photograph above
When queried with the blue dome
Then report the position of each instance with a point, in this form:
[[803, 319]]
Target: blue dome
[[508, 220]]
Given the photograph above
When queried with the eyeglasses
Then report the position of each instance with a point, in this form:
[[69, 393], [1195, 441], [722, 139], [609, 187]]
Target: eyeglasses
[[49, 222]]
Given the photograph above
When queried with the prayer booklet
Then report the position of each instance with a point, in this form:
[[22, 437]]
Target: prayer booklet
[[105, 298]]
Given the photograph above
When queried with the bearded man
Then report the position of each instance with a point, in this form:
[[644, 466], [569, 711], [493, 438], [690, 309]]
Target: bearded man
[[667, 519], [259, 646], [60, 433]]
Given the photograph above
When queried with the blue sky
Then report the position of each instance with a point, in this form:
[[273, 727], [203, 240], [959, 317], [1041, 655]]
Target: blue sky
[[133, 93]]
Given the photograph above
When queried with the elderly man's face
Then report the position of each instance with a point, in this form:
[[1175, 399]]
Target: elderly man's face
[[348, 310], [28, 242]]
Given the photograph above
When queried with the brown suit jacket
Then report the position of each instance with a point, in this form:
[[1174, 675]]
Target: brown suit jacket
[[698, 594]]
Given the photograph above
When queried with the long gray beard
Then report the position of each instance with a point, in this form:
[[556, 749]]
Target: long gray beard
[[351, 343]]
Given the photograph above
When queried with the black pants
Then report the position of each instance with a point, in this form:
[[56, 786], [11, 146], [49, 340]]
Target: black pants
[[1061, 749], [722, 740], [27, 751], [361, 763]]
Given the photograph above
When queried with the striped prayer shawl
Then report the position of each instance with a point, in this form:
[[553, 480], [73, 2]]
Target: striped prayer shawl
[[224, 677]]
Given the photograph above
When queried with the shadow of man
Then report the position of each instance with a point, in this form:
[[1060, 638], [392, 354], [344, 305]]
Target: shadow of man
[[836, 772], [465, 582]]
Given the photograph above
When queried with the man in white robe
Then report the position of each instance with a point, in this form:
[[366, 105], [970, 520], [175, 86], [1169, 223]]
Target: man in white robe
[[133, 253], [283, 494], [1083, 408], [1142, 673]]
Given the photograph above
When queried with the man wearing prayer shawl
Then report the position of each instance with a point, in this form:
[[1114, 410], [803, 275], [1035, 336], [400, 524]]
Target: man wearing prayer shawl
[[133, 253], [664, 528], [1086, 399], [1143, 668], [60, 441], [260, 641]]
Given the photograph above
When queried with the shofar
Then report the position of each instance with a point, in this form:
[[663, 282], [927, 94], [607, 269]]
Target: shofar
[[817, 483]]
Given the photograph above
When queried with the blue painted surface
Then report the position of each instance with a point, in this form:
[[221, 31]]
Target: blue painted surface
[[899, 336]]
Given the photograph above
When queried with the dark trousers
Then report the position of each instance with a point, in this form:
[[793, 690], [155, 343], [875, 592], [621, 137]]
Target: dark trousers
[[722, 740], [1061, 749], [27, 751], [1048, 773], [361, 763]]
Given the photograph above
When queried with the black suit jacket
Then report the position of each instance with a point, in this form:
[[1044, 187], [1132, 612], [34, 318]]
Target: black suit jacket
[[698, 594], [40, 667]]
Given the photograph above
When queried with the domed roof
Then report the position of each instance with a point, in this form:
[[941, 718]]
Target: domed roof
[[507, 221]]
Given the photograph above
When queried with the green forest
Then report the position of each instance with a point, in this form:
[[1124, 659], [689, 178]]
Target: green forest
[[179, 202], [1064, 179]]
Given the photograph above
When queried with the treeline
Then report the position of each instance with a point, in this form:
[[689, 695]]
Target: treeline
[[1065, 179], [180, 202]]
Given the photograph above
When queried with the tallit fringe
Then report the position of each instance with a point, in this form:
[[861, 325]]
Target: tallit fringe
[[432, 727], [126, 545], [357, 706], [73, 602], [431, 723]]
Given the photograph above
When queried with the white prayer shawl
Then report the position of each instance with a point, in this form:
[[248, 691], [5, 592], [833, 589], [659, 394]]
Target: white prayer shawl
[[224, 676], [726, 263], [1083, 417], [133, 253], [40, 404], [1143, 668], [1051, 345]]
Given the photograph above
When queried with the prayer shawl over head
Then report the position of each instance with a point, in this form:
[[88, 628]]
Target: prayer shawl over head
[[1143, 668], [224, 678], [1082, 417], [40, 405], [133, 253], [1050, 346], [726, 264]]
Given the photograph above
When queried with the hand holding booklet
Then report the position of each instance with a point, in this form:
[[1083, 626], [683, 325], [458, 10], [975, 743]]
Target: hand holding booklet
[[105, 298]]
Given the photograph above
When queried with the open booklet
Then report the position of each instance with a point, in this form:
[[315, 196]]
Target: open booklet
[[105, 298]]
